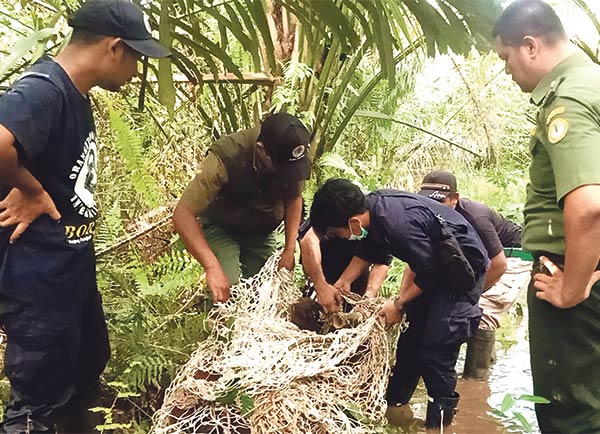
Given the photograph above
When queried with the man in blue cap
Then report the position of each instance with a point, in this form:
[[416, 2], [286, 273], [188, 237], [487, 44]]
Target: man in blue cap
[[50, 308]]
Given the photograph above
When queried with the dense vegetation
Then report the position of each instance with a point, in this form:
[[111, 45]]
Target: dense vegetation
[[382, 110]]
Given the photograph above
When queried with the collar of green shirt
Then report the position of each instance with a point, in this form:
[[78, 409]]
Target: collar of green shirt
[[544, 86]]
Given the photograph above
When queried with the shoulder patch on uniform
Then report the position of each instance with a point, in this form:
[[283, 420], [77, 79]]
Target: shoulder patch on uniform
[[557, 130], [533, 131], [555, 112]]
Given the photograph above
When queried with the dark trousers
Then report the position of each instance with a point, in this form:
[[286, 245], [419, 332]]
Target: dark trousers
[[429, 347], [53, 360], [565, 362]]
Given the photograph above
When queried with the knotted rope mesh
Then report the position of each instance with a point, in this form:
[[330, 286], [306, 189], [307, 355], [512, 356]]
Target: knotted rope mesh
[[257, 372]]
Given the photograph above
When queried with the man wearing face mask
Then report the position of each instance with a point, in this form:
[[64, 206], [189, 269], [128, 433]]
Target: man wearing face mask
[[408, 226], [324, 259], [249, 182]]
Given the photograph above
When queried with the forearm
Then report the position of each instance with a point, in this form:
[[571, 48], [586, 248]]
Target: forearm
[[189, 228], [310, 247], [408, 288], [352, 271], [12, 173], [582, 243], [496, 270], [408, 277], [293, 214], [376, 278]]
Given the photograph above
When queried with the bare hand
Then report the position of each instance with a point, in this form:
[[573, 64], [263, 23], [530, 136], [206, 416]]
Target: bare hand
[[286, 260], [329, 297], [344, 287], [550, 288], [371, 292], [218, 283], [391, 313], [21, 209]]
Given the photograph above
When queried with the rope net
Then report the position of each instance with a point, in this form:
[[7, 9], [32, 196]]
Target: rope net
[[258, 372]]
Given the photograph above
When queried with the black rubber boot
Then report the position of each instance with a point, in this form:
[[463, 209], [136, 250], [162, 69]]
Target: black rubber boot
[[441, 411], [481, 354]]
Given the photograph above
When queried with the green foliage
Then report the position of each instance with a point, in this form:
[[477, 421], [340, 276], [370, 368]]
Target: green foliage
[[337, 42], [233, 394], [150, 369], [514, 419], [286, 97], [18, 51], [594, 53], [394, 278], [129, 145], [28, 29], [166, 85], [246, 404], [335, 162], [506, 334], [109, 424]]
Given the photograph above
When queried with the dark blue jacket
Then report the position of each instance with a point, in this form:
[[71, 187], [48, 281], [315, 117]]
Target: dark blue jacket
[[405, 225]]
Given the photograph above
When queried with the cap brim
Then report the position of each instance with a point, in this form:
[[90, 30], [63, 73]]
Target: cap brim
[[426, 192], [431, 193], [148, 47], [295, 171]]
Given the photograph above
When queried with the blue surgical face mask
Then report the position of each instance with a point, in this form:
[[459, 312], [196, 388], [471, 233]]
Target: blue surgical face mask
[[362, 235]]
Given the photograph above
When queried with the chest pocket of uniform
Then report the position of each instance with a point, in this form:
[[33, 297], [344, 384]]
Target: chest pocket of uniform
[[539, 133], [536, 136]]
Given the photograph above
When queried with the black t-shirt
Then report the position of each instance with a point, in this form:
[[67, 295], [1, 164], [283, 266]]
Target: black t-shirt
[[52, 263], [494, 230]]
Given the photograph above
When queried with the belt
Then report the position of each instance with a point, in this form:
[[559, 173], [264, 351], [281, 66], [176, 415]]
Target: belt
[[557, 259], [517, 252]]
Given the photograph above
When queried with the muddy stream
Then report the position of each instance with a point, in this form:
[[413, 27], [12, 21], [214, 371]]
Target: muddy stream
[[510, 374]]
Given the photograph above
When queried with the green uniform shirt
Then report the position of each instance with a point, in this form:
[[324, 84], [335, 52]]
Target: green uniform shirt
[[210, 178], [215, 193], [565, 148]]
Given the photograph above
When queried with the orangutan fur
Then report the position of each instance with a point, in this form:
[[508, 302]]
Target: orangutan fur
[[306, 313]]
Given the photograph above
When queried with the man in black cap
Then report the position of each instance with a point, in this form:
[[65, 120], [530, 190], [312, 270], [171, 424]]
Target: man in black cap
[[50, 308], [496, 232], [249, 182], [413, 229]]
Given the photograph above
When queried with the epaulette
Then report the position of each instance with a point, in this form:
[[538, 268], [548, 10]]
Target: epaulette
[[551, 94]]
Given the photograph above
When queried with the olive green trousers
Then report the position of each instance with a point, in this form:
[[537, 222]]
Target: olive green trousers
[[240, 254], [565, 362]]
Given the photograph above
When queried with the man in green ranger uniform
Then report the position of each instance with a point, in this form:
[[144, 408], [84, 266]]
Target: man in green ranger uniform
[[249, 182], [562, 213]]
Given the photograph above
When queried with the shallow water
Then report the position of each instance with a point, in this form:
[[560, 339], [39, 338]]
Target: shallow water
[[511, 374]]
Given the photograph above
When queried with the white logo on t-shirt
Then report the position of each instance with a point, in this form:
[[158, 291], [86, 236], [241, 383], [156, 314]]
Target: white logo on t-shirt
[[85, 175]]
